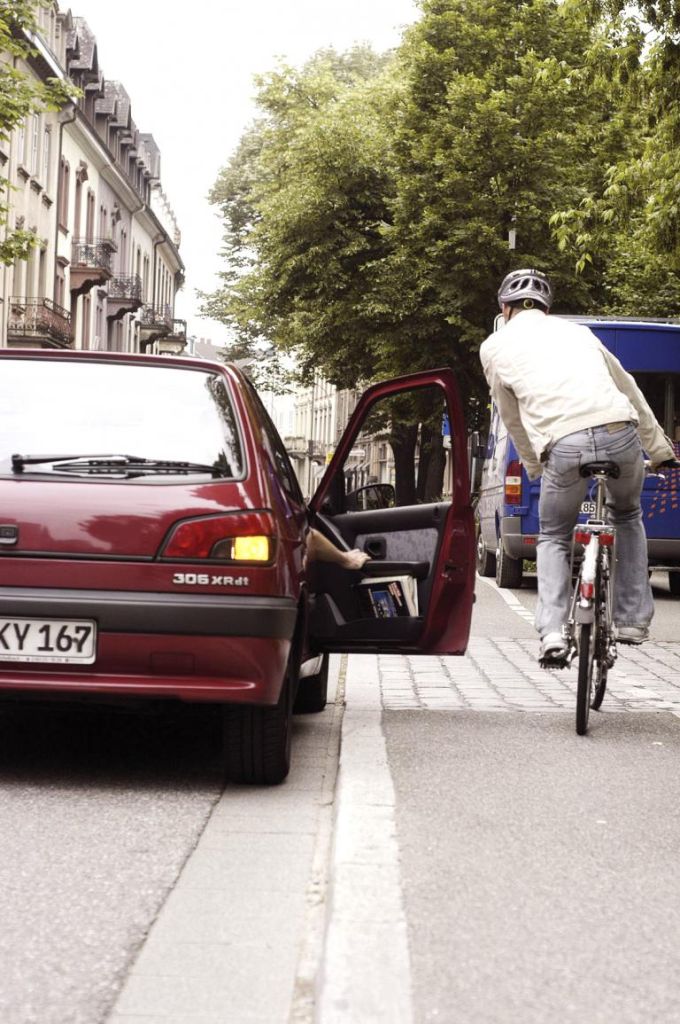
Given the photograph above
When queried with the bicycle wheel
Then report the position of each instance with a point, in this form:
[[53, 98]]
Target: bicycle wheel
[[586, 662], [603, 637], [601, 667]]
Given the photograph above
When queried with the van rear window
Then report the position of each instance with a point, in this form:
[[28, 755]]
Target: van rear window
[[95, 408]]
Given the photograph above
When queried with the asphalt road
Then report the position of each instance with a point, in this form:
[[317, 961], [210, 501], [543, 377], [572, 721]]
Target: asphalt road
[[98, 813], [539, 869], [493, 617]]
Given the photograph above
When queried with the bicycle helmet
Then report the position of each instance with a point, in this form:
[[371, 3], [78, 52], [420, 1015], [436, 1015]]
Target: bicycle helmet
[[531, 285]]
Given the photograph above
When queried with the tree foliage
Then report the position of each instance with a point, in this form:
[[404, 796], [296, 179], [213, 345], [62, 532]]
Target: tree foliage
[[368, 210], [21, 94], [628, 226]]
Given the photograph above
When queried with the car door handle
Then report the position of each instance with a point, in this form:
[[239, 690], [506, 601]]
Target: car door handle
[[376, 547]]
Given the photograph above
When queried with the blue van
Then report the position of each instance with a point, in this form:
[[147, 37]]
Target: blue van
[[507, 501]]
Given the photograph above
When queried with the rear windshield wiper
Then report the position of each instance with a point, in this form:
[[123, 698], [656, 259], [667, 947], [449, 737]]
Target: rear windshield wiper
[[19, 461], [129, 465]]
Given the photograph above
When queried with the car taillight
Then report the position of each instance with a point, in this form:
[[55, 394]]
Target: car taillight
[[240, 537], [513, 483]]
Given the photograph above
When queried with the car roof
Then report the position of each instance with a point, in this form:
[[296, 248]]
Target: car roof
[[656, 323], [81, 355]]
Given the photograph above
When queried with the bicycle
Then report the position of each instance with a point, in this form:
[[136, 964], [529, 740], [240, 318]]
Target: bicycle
[[590, 628]]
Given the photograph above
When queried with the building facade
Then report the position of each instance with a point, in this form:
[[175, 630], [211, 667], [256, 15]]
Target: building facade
[[106, 268]]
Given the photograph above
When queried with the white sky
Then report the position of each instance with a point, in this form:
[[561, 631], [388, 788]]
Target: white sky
[[188, 68]]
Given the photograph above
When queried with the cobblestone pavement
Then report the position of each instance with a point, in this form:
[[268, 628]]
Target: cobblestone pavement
[[503, 675]]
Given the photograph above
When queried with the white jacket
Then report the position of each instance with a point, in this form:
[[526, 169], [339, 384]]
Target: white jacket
[[551, 377]]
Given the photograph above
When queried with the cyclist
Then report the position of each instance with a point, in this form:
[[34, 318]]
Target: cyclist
[[566, 400]]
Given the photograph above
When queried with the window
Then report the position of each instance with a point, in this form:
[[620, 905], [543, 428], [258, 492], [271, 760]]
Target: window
[[60, 289], [46, 157], [89, 217], [99, 328], [21, 143], [277, 451], [158, 412], [87, 312], [65, 173], [399, 456], [662, 391], [35, 144]]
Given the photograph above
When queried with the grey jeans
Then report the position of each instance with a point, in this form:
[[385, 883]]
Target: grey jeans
[[562, 491]]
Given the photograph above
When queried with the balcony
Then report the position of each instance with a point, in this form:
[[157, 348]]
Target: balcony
[[155, 322], [124, 296], [303, 448], [174, 343], [91, 264], [38, 323]]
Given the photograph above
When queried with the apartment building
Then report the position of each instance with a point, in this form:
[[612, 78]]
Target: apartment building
[[107, 267]]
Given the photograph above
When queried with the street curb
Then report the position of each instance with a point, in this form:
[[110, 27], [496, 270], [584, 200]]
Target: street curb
[[366, 972], [309, 963]]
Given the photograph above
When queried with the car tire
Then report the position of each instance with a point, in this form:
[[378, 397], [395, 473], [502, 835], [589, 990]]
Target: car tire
[[257, 741], [674, 583], [508, 570], [312, 694], [486, 560]]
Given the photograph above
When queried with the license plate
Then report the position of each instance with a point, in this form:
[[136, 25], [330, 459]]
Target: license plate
[[588, 508], [58, 641]]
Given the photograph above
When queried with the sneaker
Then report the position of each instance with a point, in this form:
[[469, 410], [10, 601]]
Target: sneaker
[[632, 634], [554, 647]]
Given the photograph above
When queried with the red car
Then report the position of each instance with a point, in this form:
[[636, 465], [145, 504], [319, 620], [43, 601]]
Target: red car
[[152, 542]]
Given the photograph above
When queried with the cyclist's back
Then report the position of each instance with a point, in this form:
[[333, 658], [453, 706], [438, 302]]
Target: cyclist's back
[[563, 380], [565, 401]]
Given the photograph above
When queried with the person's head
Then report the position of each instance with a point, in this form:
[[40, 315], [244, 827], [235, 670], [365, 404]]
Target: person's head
[[524, 289]]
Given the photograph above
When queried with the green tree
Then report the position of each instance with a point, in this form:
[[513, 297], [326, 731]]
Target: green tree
[[21, 94], [628, 225], [504, 123], [304, 200], [368, 210]]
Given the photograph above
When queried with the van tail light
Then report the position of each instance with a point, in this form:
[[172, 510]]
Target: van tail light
[[513, 483], [239, 538]]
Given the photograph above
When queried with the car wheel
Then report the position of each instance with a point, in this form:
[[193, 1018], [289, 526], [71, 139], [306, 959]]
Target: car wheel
[[508, 570], [674, 583], [257, 741], [486, 560], [312, 693]]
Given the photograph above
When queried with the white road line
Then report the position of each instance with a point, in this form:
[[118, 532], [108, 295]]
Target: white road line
[[509, 599], [366, 974]]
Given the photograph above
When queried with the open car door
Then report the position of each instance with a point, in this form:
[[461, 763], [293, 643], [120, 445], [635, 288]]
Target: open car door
[[398, 488]]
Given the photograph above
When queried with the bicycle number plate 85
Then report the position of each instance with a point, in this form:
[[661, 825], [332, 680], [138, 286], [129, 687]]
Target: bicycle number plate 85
[[59, 641], [588, 508]]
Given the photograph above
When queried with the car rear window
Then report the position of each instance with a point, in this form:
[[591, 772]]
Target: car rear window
[[95, 408]]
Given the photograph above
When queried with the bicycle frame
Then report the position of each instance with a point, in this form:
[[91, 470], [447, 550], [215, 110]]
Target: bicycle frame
[[597, 537], [591, 607]]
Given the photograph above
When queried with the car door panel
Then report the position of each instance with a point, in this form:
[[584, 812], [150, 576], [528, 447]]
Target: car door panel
[[433, 542]]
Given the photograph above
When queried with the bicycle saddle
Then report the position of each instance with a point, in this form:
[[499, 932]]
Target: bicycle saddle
[[611, 469]]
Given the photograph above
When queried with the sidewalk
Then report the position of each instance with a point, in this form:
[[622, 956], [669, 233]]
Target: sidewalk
[[503, 675]]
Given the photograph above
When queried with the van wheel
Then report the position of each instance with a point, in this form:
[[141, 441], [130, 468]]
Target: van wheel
[[674, 583], [312, 694], [257, 741], [508, 570], [486, 560]]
